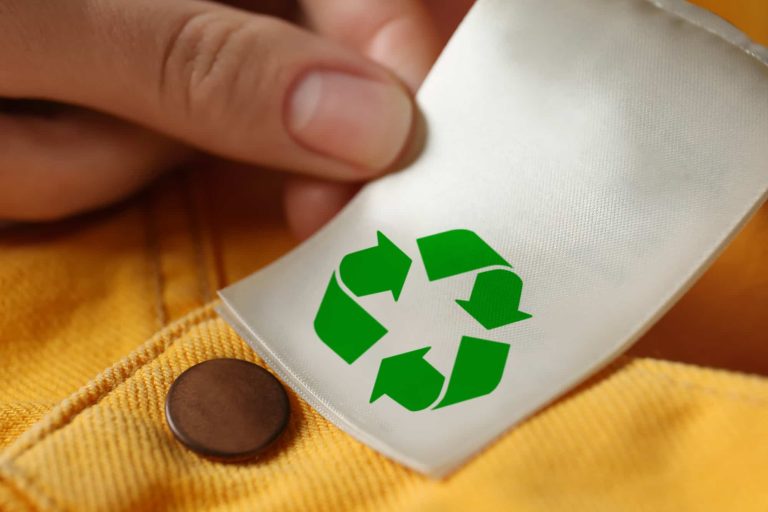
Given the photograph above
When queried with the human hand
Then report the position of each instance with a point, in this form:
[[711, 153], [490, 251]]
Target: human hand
[[150, 80]]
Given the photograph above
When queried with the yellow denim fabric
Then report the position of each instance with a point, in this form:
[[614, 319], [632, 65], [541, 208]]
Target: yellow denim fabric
[[82, 391]]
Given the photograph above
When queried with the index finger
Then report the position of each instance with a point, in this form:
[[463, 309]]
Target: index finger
[[398, 34]]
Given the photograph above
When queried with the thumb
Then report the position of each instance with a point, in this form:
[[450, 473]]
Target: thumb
[[241, 85]]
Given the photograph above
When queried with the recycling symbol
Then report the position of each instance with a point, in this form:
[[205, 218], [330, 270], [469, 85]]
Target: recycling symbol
[[407, 378]]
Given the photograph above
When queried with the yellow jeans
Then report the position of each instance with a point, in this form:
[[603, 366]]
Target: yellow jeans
[[99, 314]]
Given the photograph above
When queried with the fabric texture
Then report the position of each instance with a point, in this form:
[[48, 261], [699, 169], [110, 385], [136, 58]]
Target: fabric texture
[[606, 150], [82, 392]]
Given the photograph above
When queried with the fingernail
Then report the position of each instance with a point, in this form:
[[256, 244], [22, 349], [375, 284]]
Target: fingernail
[[360, 121]]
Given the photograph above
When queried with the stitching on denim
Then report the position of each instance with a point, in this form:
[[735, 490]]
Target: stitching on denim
[[155, 261], [196, 235], [72, 407], [207, 313], [91, 394], [26, 490]]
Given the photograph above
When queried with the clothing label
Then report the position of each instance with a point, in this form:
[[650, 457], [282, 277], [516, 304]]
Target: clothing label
[[584, 161]]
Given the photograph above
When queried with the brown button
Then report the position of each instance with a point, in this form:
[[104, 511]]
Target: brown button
[[227, 409]]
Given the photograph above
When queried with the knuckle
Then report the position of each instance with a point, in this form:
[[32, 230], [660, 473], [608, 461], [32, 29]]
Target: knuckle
[[208, 63]]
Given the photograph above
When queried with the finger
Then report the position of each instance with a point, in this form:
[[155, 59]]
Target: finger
[[310, 203], [241, 85], [285, 9], [399, 34], [56, 165], [447, 15]]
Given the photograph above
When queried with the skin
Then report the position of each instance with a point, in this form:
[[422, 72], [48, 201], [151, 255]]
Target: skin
[[100, 96]]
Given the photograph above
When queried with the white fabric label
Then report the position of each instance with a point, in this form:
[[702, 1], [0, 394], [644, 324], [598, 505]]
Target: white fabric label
[[584, 161]]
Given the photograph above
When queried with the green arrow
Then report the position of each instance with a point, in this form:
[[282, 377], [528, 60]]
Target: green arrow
[[477, 370], [344, 325], [381, 268], [454, 252], [495, 299], [409, 380]]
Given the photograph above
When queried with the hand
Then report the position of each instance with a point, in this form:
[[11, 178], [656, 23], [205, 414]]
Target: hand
[[146, 81]]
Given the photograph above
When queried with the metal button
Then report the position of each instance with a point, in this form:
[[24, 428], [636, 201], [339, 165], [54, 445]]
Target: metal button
[[227, 409]]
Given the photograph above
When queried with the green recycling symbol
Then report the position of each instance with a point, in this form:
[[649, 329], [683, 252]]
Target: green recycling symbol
[[407, 378]]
